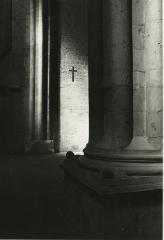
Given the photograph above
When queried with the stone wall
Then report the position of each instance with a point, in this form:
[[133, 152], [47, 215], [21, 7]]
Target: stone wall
[[73, 95], [147, 69], [12, 82]]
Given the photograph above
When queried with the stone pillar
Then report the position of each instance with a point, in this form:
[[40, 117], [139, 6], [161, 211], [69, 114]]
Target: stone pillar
[[153, 71], [120, 172], [147, 80], [37, 78], [124, 110], [38, 121], [131, 103]]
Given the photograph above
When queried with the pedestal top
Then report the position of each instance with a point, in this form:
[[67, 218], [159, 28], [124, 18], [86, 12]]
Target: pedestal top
[[114, 178]]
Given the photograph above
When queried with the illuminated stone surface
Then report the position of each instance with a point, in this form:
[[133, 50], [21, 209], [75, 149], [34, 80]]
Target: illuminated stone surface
[[73, 95]]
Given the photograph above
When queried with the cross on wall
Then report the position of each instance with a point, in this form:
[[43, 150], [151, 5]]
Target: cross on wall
[[73, 73]]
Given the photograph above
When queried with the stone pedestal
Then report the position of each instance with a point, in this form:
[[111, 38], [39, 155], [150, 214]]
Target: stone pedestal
[[108, 207]]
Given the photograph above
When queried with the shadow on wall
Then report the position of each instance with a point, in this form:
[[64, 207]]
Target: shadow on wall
[[11, 76]]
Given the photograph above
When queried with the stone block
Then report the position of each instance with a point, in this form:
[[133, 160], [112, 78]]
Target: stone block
[[139, 79], [138, 12], [153, 33], [154, 99], [139, 99], [153, 10], [156, 142], [138, 60], [139, 123], [153, 58], [154, 78], [154, 124], [138, 36], [153, 45]]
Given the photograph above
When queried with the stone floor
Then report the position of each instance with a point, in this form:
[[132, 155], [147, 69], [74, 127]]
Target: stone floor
[[33, 203], [32, 198]]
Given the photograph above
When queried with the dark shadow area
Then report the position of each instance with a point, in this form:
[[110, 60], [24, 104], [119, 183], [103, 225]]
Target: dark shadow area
[[55, 43], [32, 197]]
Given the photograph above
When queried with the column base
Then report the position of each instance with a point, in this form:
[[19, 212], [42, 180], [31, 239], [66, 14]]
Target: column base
[[122, 170], [111, 200], [115, 177], [139, 150], [41, 147]]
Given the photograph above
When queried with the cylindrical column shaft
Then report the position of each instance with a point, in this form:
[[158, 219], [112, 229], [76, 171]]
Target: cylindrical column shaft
[[95, 51], [38, 71], [147, 78], [117, 68], [115, 80], [131, 104]]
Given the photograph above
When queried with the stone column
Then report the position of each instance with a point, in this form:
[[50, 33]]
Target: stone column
[[123, 154], [37, 77], [147, 80], [131, 105], [38, 121], [120, 172]]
